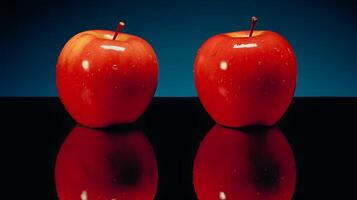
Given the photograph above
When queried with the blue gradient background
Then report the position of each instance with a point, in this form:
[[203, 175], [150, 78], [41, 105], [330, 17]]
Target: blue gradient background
[[322, 33]]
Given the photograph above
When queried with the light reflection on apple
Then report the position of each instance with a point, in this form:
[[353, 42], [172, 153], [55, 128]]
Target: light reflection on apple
[[113, 47], [97, 164], [249, 45], [235, 164], [85, 65]]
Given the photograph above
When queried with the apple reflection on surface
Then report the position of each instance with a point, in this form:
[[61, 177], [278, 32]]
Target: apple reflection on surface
[[97, 165], [236, 165]]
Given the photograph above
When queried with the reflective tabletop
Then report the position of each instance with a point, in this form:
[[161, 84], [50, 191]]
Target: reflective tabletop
[[176, 151]]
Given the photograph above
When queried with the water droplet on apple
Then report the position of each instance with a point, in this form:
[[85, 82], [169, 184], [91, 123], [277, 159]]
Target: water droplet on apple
[[259, 62], [115, 67], [230, 81]]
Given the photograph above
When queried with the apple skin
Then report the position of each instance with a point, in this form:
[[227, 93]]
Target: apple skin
[[242, 80], [102, 82], [232, 164], [98, 165]]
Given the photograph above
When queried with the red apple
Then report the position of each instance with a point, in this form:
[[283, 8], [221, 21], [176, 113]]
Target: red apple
[[232, 164], [106, 78], [93, 164], [245, 78]]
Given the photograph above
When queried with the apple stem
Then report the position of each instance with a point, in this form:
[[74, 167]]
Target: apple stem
[[254, 21], [119, 29]]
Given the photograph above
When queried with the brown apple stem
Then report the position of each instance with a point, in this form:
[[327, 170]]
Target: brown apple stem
[[119, 29], [254, 21]]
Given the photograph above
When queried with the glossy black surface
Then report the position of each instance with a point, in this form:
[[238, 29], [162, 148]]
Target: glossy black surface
[[320, 131]]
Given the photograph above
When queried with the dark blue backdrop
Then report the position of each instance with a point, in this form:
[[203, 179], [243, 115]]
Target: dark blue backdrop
[[322, 34]]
